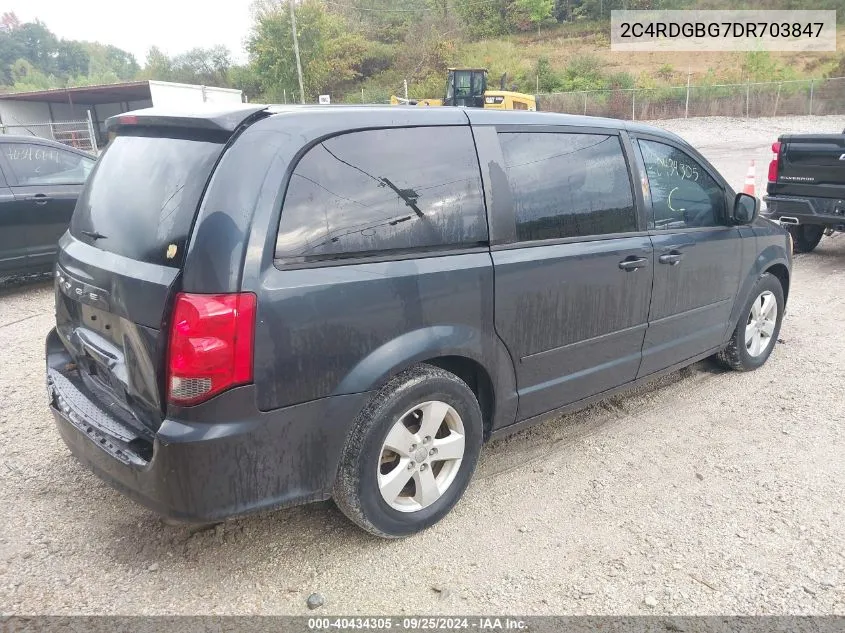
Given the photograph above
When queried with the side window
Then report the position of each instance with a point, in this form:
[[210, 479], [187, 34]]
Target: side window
[[568, 185], [683, 195], [34, 164], [383, 190]]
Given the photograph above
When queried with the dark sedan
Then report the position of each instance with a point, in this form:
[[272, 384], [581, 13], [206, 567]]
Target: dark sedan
[[40, 181]]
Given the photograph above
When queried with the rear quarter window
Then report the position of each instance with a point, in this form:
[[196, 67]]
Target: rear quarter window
[[383, 191]]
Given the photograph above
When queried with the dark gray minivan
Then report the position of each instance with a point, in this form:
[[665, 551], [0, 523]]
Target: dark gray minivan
[[264, 306]]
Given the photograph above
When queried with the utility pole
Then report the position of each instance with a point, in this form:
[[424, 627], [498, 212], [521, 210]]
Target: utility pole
[[296, 51]]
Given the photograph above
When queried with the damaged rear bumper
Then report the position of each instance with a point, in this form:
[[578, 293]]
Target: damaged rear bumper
[[216, 460]]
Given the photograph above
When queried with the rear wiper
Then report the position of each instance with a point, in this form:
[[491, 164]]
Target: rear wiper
[[94, 235]]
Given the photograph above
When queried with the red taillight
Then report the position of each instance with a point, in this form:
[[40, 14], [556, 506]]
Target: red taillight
[[211, 345], [773, 166], [129, 119]]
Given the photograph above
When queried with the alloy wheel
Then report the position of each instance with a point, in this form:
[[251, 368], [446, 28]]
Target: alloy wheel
[[421, 456], [762, 320]]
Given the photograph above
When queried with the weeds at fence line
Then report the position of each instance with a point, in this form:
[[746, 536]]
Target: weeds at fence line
[[782, 98]]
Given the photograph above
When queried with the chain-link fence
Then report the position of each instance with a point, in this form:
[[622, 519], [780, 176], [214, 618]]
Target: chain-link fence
[[79, 134], [783, 98]]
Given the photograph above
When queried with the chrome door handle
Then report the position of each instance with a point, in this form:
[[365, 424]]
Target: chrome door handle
[[673, 259], [631, 265]]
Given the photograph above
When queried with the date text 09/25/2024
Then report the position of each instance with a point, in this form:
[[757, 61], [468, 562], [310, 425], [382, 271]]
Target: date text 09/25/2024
[[417, 623]]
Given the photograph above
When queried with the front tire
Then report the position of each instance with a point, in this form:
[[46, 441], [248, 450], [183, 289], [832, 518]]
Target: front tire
[[410, 454], [806, 237], [756, 333]]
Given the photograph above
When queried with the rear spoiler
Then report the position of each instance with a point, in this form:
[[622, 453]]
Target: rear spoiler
[[218, 119]]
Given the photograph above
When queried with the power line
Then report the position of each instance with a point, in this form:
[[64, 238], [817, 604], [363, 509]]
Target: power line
[[349, 6], [574, 151], [336, 157], [336, 195], [420, 10]]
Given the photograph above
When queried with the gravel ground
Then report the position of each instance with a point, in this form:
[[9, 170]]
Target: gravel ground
[[709, 492]]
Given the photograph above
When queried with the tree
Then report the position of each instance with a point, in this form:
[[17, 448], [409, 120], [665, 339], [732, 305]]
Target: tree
[[9, 21], [56, 62], [39, 45], [485, 19], [107, 59], [538, 11], [72, 58], [441, 6], [385, 21], [11, 50], [547, 79], [332, 55], [158, 65], [204, 66], [245, 79], [27, 78]]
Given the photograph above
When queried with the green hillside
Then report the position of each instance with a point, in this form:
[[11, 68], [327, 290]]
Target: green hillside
[[350, 46]]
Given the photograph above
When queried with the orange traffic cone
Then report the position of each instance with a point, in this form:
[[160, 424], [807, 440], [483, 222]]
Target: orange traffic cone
[[750, 179]]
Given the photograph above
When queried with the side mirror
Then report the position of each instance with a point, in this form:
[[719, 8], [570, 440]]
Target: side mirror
[[746, 208]]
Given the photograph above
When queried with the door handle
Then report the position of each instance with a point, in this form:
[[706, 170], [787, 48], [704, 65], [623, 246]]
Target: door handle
[[633, 263], [40, 198], [673, 259]]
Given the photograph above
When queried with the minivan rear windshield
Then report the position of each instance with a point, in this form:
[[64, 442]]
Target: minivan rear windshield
[[142, 197]]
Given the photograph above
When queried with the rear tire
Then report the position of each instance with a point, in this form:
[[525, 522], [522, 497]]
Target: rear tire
[[410, 454], [759, 324], [806, 237]]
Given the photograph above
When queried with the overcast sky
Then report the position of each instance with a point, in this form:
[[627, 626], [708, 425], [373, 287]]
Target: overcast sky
[[173, 25]]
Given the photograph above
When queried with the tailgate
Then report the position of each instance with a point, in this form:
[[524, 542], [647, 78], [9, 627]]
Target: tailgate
[[109, 313], [812, 165], [120, 262]]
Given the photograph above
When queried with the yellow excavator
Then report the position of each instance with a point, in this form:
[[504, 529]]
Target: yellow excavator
[[467, 87]]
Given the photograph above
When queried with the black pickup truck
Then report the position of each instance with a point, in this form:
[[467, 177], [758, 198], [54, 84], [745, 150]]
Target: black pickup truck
[[806, 189]]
